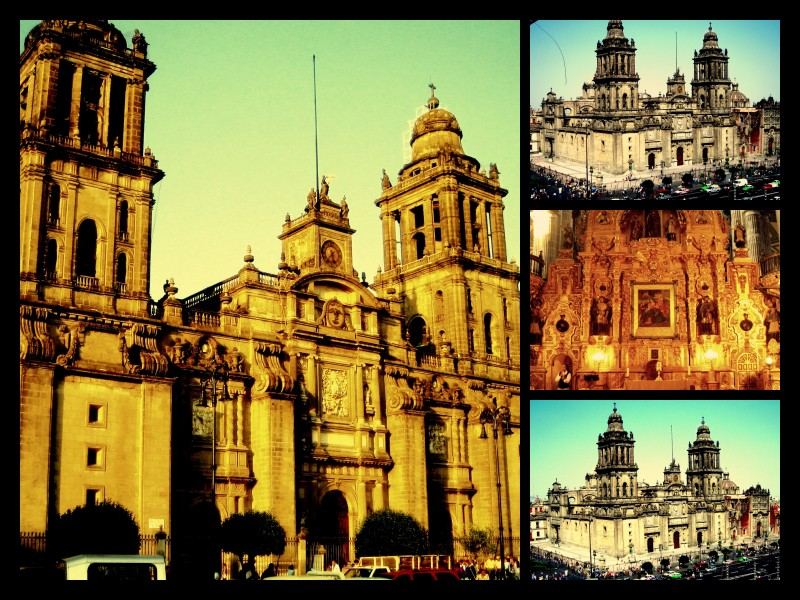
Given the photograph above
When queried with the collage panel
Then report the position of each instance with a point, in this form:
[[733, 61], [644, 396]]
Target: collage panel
[[637, 506], [654, 300], [653, 110]]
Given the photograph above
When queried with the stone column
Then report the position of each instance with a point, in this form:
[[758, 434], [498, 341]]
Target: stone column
[[311, 381], [75, 103], [104, 111], [37, 385], [134, 117], [430, 238], [408, 491], [498, 230], [376, 393], [240, 398], [389, 242], [467, 223], [448, 206], [359, 385], [378, 496], [483, 233], [751, 222]]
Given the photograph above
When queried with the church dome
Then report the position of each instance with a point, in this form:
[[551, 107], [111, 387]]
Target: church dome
[[615, 420], [614, 29], [435, 131], [99, 31], [737, 98], [710, 39], [703, 431]]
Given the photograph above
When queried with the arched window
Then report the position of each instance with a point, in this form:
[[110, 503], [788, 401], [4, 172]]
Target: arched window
[[86, 258], [121, 275], [624, 489], [487, 332], [54, 204], [721, 100], [419, 244], [417, 331], [696, 489], [51, 259], [505, 310], [438, 310], [123, 219], [702, 101], [624, 100]]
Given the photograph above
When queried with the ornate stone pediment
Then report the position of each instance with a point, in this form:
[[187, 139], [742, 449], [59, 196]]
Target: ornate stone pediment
[[35, 341], [140, 352], [272, 377]]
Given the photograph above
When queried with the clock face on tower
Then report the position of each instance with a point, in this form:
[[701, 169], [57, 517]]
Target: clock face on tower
[[331, 254]]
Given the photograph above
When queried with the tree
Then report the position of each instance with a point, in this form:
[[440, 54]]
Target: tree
[[720, 174], [388, 532], [477, 541], [647, 567], [664, 563], [687, 180], [666, 181], [647, 188], [103, 528], [252, 534]]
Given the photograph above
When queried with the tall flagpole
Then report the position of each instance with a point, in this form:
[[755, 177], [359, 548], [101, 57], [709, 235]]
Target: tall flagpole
[[316, 143]]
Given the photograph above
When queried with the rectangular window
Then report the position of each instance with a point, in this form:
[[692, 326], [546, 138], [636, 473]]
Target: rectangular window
[[437, 234], [95, 457], [471, 341], [419, 216], [94, 495], [96, 414]]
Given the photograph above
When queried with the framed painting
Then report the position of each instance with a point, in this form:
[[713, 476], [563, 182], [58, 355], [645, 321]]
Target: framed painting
[[653, 310]]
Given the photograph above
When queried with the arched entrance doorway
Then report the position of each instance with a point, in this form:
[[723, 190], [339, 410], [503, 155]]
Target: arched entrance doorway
[[679, 155], [676, 540], [558, 363], [196, 550], [330, 529], [769, 146], [651, 161], [699, 538], [650, 544], [758, 529], [705, 155]]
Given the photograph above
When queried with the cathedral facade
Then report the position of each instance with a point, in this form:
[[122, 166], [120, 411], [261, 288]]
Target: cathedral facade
[[615, 127], [340, 397], [657, 299], [624, 516]]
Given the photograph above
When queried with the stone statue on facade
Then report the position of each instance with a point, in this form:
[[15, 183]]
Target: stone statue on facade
[[600, 313], [707, 316], [773, 322], [739, 236], [311, 200], [324, 187], [344, 210], [385, 183]]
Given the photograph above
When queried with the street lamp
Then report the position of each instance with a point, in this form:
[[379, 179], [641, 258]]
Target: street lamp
[[214, 383], [499, 418], [589, 190]]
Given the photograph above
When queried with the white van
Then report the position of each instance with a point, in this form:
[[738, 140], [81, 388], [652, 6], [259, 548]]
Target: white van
[[740, 182], [115, 567]]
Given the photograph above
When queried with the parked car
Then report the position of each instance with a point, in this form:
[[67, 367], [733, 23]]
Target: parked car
[[740, 182], [115, 567], [445, 575], [361, 572]]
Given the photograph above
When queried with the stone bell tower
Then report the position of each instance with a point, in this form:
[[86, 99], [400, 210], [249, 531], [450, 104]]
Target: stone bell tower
[[616, 80], [704, 473], [86, 180], [444, 251], [616, 468]]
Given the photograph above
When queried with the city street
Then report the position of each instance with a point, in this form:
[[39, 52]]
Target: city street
[[566, 180]]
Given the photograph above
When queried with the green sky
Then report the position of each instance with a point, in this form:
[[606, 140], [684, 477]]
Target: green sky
[[230, 117], [564, 438]]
